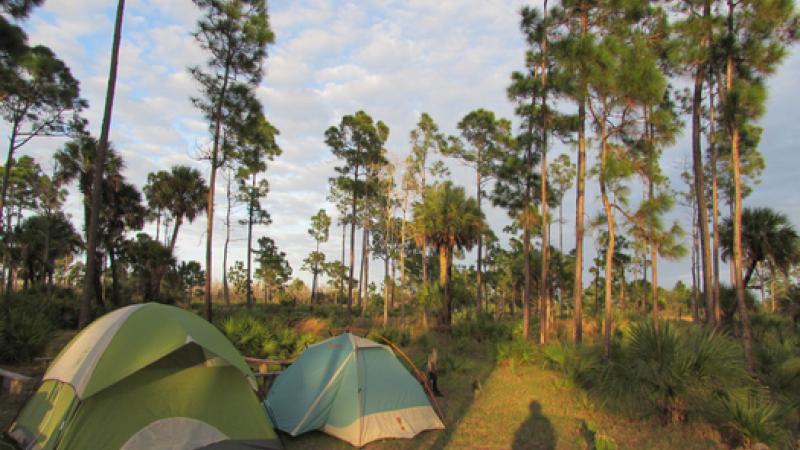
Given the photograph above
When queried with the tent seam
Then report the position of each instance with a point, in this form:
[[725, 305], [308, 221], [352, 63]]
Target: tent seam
[[321, 393]]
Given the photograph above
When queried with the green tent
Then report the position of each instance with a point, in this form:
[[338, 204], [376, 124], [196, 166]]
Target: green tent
[[351, 388], [146, 376]]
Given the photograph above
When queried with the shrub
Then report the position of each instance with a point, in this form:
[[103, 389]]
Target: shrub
[[596, 439], [25, 331], [449, 363], [482, 329], [254, 333], [64, 309], [397, 336], [671, 371], [754, 420], [61, 306], [516, 351], [424, 342], [247, 333], [729, 304], [580, 365]]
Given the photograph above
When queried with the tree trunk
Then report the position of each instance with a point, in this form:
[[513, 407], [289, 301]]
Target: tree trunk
[[478, 274], [695, 288], [654, 287], [99, 167], [653, 241], [699, 181], [250, 243], [560, 257], [226, 291], [445, 260], [212, 189], [607, 325], [747, 338], [526, 232], [48, 265], [714, 202], [750, 270], [12, 141], [352, 246], [403, 248], [158, 224], [580, 202], [424, 262], [526, 250], [386, 292], [773, 296], [364, 298], [392, 298], [544, 279], [314, 279], [731, 268], [344, 245], [114, 278], [174, 239]]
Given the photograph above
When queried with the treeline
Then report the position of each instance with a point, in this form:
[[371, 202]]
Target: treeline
[[600, 76], [40, 97], [604, 78]]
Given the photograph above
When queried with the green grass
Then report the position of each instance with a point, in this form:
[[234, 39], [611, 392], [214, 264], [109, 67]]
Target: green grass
[[532, 408], [490, 405]]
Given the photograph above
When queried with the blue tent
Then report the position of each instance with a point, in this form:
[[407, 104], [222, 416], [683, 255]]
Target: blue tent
[[351, 388]]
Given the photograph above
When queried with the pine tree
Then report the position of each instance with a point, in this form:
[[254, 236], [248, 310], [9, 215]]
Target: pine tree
[[758, 33], [484, 138], [562, 174], [320, 231], [573, 52], [255, 146], [624, 75], [358, 141], [273, 268], [426, 141], [235, 34]]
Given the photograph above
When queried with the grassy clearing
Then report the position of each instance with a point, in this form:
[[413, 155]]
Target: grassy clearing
[[532, 408], [489, 406]]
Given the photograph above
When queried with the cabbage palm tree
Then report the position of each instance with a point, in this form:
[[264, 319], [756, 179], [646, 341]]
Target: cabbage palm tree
[[448, 219], [76, 162], [184, 195], [156, 192], [767, 236]]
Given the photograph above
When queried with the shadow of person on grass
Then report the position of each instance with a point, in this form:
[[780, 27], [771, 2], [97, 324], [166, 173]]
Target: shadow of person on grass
[[536, 432]]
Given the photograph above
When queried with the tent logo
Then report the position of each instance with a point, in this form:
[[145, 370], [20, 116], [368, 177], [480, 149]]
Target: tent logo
[[400, 422]]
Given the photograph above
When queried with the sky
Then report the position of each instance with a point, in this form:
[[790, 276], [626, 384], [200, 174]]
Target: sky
[[392, 59]]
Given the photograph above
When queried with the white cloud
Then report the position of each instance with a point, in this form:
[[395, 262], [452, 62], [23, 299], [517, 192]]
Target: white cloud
[[392, 59]]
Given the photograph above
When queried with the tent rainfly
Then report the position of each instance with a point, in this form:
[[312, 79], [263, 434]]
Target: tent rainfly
[[353, 389], [146, 376]]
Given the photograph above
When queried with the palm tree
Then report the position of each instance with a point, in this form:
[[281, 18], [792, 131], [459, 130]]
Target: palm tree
[[182, 192], [122, 212], [76, 162], [156, 192], [767, 237], [448, 220]]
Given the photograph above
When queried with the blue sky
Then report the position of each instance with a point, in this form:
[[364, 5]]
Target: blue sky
[[393, 59]]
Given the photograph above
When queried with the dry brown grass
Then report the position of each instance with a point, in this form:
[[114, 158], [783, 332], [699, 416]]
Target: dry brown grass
[[313, 325]]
